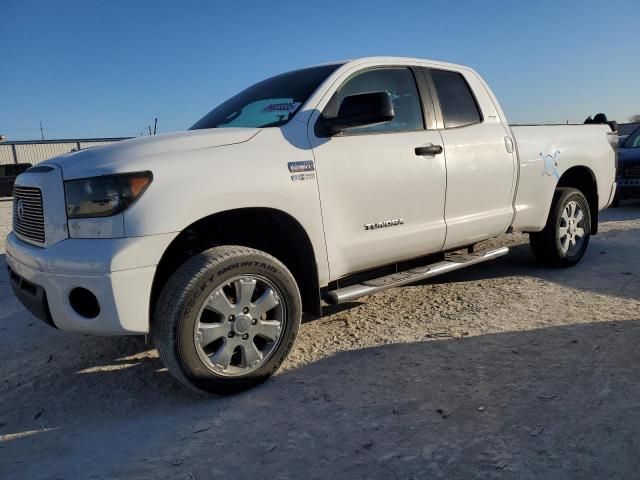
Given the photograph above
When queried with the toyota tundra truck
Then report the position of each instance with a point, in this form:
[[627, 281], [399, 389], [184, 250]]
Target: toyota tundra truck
[[313, 187]]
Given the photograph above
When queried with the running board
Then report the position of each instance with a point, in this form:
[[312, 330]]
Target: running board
[[453, 261]]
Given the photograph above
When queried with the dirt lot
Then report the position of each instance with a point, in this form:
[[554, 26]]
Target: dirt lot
[[507, 370]]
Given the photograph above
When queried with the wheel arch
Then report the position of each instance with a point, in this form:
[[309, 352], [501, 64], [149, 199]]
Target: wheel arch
[[270, 230], [583, 179]]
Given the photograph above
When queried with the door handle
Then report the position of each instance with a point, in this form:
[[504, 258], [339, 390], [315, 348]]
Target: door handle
[[430, 150]]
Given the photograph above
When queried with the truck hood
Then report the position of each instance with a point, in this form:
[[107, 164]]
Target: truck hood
[[120, 156]]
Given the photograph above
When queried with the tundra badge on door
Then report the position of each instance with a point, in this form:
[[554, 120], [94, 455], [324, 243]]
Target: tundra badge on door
[[383, 224]]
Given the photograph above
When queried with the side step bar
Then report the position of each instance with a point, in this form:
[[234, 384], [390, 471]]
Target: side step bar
[[454, 261]]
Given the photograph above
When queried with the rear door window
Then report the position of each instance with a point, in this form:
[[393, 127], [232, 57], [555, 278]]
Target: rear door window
[[458, 105]]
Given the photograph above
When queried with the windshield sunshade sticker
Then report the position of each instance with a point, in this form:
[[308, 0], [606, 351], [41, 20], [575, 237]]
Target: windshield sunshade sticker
[[302, 166], [281, 107], [550, 163]]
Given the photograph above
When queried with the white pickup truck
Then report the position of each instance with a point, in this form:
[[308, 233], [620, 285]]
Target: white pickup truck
[[327, 183]]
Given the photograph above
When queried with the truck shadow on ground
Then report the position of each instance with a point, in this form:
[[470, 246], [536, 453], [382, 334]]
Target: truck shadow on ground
[[559, 402]]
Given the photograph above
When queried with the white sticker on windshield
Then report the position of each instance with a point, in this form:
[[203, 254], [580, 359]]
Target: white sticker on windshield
[[281, 107]]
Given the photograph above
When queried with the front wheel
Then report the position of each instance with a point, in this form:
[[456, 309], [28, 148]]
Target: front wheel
[[226, 319], [565, 237]]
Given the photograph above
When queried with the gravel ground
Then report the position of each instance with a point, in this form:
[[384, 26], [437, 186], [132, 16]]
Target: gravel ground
[[506, 370]]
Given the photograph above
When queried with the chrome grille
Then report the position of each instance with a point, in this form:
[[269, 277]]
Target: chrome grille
[[29, 222]]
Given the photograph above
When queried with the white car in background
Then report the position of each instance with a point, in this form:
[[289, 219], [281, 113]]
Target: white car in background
[[322, 184]]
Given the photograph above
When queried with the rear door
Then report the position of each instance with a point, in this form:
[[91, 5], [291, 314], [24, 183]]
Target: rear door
[[481, 165], [381, 201]]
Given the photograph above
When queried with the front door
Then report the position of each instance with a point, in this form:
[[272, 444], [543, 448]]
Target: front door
[[381, 200]]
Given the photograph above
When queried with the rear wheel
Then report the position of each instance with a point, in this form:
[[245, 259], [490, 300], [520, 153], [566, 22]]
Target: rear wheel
[[565, 237], [226, 319]]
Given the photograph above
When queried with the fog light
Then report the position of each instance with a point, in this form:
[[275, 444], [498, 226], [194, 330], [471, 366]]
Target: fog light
[[84, 303]]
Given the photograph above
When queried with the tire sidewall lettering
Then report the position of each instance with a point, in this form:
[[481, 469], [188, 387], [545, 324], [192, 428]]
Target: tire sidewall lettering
[[247, 264]]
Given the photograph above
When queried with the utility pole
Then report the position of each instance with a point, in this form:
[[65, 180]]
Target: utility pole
[[41, 130]]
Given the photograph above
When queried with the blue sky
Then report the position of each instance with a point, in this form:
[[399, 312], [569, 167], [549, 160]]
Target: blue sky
[[108, 68]]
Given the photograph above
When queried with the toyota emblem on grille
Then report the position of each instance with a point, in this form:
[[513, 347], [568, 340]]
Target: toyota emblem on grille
[[20, 209]]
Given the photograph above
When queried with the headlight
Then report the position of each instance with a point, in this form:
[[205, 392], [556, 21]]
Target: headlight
[[104, 196]]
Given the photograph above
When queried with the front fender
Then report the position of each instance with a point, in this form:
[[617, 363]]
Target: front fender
[[201, 183]]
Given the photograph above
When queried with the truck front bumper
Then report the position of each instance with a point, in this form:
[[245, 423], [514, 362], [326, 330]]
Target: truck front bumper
[[119, 273]]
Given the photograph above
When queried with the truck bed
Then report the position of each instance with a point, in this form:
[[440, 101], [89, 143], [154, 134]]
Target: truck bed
[[546, 152]]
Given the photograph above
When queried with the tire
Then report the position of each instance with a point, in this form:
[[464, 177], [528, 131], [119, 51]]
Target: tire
[[554, 245], [212, 296]]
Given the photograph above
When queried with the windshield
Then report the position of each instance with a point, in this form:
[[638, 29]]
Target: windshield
[[270, 103], [633, 140]]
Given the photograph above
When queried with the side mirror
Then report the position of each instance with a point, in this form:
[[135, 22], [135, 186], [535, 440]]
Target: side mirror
[[360, 110]]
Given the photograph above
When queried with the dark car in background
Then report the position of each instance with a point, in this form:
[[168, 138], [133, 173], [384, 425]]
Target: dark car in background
[[628, 175], [8, 174]]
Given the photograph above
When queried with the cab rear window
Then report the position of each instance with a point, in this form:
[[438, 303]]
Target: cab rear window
[[458, 105]]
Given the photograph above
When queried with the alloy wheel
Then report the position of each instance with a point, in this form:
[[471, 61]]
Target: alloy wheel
[[239, 326]]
